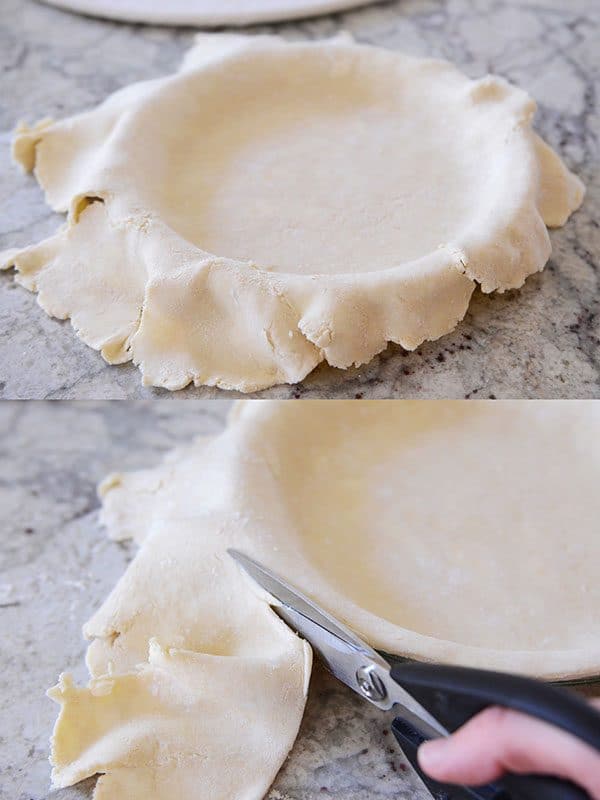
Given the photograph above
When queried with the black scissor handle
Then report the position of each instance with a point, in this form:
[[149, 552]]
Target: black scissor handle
[[455, 694]]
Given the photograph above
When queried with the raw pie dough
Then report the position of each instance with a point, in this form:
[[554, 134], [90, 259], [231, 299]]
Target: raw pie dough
[[206, 12], [272, 205], [458, 532]]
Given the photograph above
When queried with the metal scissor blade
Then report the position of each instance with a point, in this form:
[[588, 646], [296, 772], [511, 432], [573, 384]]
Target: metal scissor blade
[[299, 603], [346, 655]]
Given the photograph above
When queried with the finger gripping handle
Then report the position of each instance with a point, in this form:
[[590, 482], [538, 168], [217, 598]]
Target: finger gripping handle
[[510, 787], [455, 694], [410, 739]]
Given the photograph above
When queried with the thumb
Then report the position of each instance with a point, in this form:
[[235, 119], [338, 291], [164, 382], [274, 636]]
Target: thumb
[[500, 740]]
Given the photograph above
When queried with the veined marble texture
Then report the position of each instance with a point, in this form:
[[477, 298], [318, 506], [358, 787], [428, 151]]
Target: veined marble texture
[[540, 341], [58, 566]]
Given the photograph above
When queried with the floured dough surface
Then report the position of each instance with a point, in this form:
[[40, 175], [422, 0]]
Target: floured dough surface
[[327, 172], [206, 12], [477, 526], [438, 530], [273, 205], [446, 531]]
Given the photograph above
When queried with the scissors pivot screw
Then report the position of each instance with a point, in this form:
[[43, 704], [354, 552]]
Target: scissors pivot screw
[[370, 683]]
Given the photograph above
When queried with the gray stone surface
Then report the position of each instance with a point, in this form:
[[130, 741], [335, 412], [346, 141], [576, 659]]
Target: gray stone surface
[[57, 567], [541, 341]]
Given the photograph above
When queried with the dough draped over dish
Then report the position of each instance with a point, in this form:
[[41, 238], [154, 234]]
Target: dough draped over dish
[[272, 205], [444, 531]]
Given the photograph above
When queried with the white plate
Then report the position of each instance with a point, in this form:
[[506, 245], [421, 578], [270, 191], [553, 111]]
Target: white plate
[[206, 12]]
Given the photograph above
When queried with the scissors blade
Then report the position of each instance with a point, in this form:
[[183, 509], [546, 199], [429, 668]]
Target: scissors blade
[[347, 656]]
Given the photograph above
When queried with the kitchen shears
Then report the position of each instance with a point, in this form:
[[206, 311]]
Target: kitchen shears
[[432, 700]]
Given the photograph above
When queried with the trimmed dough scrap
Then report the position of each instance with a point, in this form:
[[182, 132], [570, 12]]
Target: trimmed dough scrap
[[437, 530], [197, 689], [273, 205]]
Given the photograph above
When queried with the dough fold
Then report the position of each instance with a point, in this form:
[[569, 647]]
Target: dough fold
[[272, 205]]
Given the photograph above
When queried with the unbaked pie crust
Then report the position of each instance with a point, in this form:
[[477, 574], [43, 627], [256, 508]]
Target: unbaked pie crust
[[453, 532], [273, 205]]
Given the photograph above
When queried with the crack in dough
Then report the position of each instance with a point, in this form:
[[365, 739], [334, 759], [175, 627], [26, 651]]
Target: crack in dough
[[273, 205]]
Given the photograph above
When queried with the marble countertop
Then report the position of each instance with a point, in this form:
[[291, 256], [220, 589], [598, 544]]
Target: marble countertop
[[57, 567], [541, 341]]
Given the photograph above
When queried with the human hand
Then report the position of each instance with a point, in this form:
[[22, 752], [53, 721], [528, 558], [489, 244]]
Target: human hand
[[500, 740]]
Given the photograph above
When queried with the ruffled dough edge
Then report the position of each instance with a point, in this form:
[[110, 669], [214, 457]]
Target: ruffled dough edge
[[257, 328], [147, 678]]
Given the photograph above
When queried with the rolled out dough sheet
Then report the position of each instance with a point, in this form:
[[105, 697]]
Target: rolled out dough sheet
[[272, 205], [447, 531], [207, 13]]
